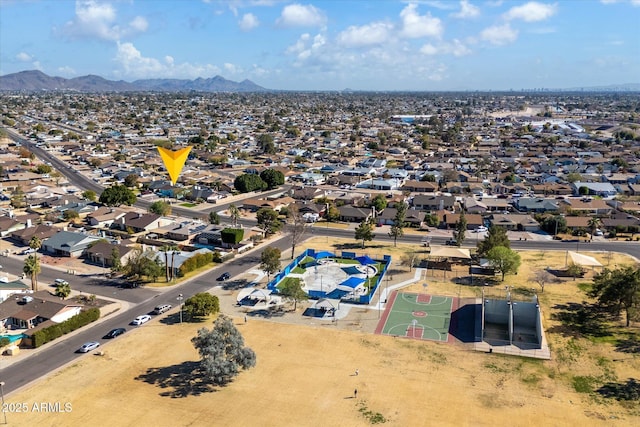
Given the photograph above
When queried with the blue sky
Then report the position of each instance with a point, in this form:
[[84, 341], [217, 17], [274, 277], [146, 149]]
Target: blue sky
[[329, 45]]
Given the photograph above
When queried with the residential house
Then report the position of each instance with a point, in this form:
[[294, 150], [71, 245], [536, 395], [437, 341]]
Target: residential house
[[350, 213], [433, 202], [102, 253], [104, 217], [25, 235], [26, 311], [536, 204], [515, 222], [68, 244], [415, 186], [9, 225], [603, 189], [473, 220], [9, 288], [140, 222]]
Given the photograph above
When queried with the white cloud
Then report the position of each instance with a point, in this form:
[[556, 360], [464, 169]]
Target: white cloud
[[24, 57], [415, 25], [467, 10], [232, 68], [633, 2], [455, 48], [532, 12], [365, 35], [299, 15], [139, 24], [66, 70], [134, 65], [248, 22], [499, 34], [99, 20]]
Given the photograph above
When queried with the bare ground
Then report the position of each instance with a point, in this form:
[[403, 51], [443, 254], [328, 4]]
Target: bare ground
[[305, 373]]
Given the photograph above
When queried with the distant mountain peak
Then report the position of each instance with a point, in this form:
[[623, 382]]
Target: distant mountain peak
[[35, 80]]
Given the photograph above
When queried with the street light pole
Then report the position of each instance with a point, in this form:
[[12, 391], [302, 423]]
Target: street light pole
[[180, 298], [3, 407]]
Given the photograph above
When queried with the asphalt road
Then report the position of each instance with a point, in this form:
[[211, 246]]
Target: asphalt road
[[88, 284], [62, 351]]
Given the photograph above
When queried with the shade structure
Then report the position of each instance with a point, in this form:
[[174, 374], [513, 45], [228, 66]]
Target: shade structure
[[365, 260], [351, 283], [323, 254], [448, 252], [583, 260]]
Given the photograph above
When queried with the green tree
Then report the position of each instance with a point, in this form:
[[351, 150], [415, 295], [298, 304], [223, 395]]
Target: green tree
[[333, 213], [460, 229], [296, 226], [18, 198], [266, 144], [397, 229], [143, 264], [573, 177], [117, 195], [273, 178], [268, 221], [618, 290], [504, 260], [222, 351], [201, 304], [292, 289], [379, 203], [496, 236], [42, 169], [63, 290], [89, 195], [364, 231], [428, 178], [248, 182], [575, 270], [131, 180], [270, 261], [214, 218], [70, 215], [116, 263], [160, 207]]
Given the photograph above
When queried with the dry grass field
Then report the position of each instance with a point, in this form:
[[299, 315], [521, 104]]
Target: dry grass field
[[305, 372]]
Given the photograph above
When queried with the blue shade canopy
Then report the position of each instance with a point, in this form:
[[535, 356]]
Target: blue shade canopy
[[353, 282], [323, 254], [365, 260]]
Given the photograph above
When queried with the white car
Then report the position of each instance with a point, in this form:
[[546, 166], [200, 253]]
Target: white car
[[28, 251], [141, 319], [87, 347], [481, 229]]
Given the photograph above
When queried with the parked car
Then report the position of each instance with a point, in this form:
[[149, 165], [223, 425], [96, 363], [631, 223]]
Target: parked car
[[162, 308], [141, 319], [224, 276], [451, 243], [115, 332], [28, 251], [87, 347], [481, 229]]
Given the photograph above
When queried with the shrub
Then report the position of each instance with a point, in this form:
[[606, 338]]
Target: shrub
[[52, 332]]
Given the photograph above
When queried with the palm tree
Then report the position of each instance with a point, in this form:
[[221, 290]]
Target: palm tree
[[35, 243], [234, 214], [166, 249], [594, 223], [32, 268]]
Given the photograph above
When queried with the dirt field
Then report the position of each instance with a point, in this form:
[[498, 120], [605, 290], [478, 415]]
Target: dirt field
[[305, 374]]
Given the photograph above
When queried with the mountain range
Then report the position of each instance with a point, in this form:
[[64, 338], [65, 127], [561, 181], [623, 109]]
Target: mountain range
[[31, 81]]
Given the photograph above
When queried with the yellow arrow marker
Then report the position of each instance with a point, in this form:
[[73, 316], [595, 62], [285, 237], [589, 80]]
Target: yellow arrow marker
[[174, 161]]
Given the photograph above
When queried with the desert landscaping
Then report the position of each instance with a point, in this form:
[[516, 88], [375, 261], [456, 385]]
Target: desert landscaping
[[306, 369]]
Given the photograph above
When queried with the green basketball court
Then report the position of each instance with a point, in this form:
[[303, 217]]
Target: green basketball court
[[418, 316]]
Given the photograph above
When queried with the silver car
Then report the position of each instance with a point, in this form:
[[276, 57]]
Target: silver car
[[87, 347]]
